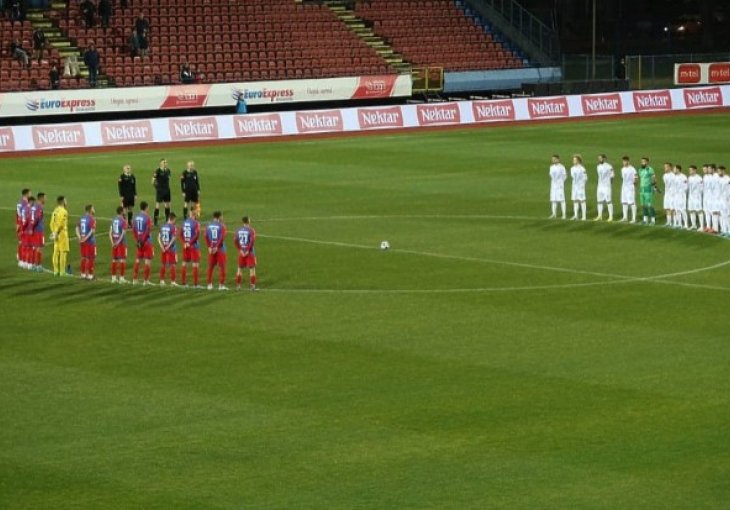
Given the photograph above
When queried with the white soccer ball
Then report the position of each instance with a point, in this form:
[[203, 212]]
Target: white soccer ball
[[385, 245]]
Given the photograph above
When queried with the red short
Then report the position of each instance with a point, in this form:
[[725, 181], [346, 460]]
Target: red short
[[25, 238], [88, 251], [37, 240], [248, 261], [119, 252], [169, 258], [191, 254], [146, 252], [217, 259]]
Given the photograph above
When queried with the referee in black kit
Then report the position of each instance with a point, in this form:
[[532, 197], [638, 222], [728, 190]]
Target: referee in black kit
[[190, 185], [128, 192], [161, 182]]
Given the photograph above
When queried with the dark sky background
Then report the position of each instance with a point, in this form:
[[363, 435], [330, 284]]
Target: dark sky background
[[639, 26]]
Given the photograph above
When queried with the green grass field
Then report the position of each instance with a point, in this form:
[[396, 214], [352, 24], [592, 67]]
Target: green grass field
[[491, 359]]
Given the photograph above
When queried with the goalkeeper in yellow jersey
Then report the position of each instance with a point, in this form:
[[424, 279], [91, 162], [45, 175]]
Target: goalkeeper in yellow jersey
[[59, 234]]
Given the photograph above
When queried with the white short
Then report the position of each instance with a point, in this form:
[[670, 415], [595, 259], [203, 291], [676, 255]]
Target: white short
[[668, 201], [628, 195], [604, 194], [680, 202], [578, 194], [557, 194], [694, 203], [715, 206]]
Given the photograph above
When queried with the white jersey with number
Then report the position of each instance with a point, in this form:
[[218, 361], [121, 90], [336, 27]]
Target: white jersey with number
[[605, 175], [680, 192], [668, 189], [557, 182], [628, 187], [694, 193], [579, 177]]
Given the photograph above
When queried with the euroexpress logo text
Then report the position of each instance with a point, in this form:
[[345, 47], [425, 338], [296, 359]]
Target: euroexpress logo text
[[270, 94], [71, 105]]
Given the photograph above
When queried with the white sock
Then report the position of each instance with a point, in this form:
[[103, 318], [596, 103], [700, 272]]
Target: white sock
[[600, 210], [708, 219], [625, 208], [555, 208], [633, 212], [585, 209], [669, 217], [685, 218], [692, 219], [610, 211], [701, 217], [715, 222], [576, 209], [562, 207]]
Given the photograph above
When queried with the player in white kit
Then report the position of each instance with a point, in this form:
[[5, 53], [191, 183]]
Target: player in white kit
[[712, 193], [706, 198], [578, 190], [558, 176], [628, 189], [679, 204], [668, 192], [694, 199], [605, 177], [723, 197]]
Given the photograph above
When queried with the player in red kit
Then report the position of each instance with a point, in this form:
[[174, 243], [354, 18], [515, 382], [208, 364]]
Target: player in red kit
[[215, 234], [244, 239], [190, 237], [20, 212], [86, 234], [142, 229], [37, 238], [118, 238], [166, 238]]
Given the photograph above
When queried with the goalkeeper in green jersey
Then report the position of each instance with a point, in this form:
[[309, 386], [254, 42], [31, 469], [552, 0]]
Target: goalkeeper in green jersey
[[647, 187]]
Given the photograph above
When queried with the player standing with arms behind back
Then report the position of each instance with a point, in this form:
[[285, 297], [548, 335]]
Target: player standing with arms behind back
[[19, 215], [37, 239], [166, 239], [245, 239], [647, 186], [127, 185], [557, 186], [628, 190], [190, 236], [190, 185], [142, 229], [161, 182], [605, 178], [85, 231], [578, 192], [118, 238], [59, 235], [680, 198], [694, 199], [215, 234]]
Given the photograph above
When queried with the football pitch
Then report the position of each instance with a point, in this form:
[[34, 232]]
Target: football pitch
[[492, 358]]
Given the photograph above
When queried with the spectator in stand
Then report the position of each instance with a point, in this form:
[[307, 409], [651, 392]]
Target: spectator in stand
[[18, 53], [106, 11], [39, 43], [16, 11], [88, 9], [133, 43], [144, 44], [141, 24], [91, 59], [71, 66], [54, 77], [186, 74]]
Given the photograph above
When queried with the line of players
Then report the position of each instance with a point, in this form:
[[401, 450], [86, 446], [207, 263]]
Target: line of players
[[694, 201], [30, 233]]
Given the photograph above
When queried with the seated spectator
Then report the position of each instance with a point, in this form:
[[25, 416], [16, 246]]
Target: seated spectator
[[141, 24], [133, 43], [144, 44], [18, 53], [39, 43], [88, 9], [105, 12], [91, 59], [186, 74], [71, 66], [54, 77]]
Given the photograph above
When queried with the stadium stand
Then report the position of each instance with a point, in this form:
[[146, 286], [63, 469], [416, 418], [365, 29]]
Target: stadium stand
[[437, 33], [252, 40]]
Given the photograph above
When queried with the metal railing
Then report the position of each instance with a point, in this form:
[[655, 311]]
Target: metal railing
[[524, 28], [657, 71]]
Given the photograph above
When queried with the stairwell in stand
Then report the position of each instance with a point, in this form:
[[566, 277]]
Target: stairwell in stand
[[366, 34]]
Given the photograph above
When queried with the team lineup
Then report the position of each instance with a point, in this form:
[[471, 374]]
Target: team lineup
[[693, 202], [30, 231]]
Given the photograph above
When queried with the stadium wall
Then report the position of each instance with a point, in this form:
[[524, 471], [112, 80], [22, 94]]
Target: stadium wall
[[507, 79], [349, 120]]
